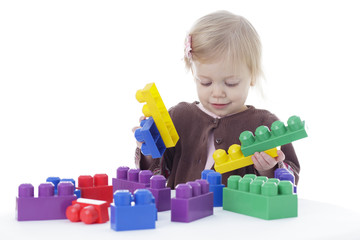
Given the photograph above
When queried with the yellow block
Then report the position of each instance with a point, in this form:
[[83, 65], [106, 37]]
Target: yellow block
[[235, 159], [155, 107]]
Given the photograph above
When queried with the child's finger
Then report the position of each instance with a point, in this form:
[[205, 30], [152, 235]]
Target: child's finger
[[134, 129], [142, 118], [270, 161], [281, 156], [257, 162]]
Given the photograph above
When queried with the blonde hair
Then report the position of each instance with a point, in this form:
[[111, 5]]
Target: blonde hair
[[225, 35]]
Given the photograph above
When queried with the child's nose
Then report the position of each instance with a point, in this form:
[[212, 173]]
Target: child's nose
[[218, 91]]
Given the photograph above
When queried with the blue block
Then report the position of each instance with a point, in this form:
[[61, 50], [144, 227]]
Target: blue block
[[133, 212], [215, 186], [149, 134]]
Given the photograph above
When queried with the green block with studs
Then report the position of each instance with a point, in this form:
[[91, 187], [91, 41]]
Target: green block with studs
[[279, 135], [260, 197]]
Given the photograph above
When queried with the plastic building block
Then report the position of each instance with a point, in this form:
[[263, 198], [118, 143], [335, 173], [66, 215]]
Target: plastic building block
[[131, 212], [155, 107], [47, 206], [131, 179], [88, 211], [193, 201], [95, 187], [56, 180], [260, 197], [279, 135], [161, 193], [214, 180], [235, 159], [153, 144], [284, 174]]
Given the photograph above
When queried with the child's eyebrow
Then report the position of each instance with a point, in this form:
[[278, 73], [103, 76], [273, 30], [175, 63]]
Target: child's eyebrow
[[202, 76]]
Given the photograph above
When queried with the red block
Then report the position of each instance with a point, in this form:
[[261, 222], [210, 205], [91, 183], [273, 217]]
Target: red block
[[88, 211], [95, 188]]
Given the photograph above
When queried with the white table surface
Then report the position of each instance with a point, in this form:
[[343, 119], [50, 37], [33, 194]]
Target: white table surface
[[315, 220]]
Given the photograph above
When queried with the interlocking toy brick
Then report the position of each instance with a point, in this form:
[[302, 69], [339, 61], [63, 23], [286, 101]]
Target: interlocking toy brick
[[279, 135], [161, 193], [131, 179], [88, 211], [95, 187], [235, 158], [260, 197], [152, 142], [47, 206], [56, 180], [132, 212], [284, 174], [215, 186], [155, 107], [193, 201]]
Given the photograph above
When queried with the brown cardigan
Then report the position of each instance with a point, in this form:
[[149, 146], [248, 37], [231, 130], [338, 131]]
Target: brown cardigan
[[187, 159]]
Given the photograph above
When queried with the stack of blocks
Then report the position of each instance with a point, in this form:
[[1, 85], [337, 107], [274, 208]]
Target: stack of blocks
[[133, 179], [215, 186], [88, 211], [47, 206], [192, 201], [95, 188], [279, 135], [260, 197], [235, 158], [131, 212], [155, 108]]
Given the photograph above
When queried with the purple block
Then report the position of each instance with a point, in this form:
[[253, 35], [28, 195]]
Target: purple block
[[284, 174], [161, 193], [131, 179], [47, 206], [192, 201]]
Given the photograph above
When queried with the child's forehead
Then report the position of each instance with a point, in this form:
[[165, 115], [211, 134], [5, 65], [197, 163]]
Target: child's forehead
[[219, 68]]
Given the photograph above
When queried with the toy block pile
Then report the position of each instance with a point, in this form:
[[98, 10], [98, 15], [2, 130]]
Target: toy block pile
[[136, 196]]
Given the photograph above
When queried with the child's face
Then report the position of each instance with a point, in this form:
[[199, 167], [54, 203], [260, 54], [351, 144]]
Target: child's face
[[219, 90]]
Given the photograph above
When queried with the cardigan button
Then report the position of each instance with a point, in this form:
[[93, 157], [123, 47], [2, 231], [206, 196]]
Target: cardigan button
[[218, 140]]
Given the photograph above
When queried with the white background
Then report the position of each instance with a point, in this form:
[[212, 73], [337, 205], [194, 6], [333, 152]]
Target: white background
[[69, 71]]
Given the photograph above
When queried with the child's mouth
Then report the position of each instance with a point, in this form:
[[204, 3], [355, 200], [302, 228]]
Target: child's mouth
[[219, 106]]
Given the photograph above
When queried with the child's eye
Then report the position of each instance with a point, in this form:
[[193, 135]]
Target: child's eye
[[231, 84], [206, 84]]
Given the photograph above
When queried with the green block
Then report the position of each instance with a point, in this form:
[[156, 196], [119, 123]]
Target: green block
[[265, 199], [279, 135]]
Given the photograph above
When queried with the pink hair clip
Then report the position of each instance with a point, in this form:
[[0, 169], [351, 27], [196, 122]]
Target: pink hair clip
[[188, 47]]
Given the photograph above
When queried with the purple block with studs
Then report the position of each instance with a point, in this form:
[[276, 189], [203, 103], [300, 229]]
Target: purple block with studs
[[131, 179], [161, 193], [192, 201], [284, 174], [47, 206]]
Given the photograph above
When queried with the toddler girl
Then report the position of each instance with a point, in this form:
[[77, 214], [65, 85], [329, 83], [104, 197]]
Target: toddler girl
[[223, 52]]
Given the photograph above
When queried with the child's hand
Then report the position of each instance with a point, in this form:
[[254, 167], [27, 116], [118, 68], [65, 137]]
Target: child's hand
[[264, 164], [138, 144]]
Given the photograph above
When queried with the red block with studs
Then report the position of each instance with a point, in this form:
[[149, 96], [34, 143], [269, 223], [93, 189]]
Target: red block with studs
[[88, 211], [95, 187]]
